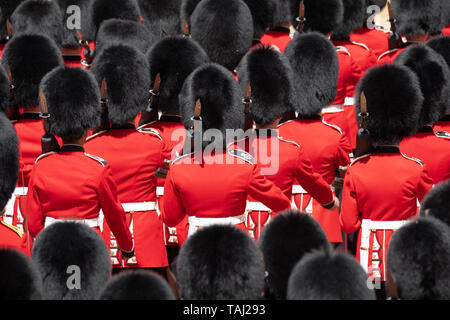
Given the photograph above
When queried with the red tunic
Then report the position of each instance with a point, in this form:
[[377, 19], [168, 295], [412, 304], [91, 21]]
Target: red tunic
[[134, 156], [328, 149], [217, 186], [446, 31], [72, 184], [383, 186], [376, 39], [278, 37], [341, 111], [12, 237], [2, 48], [432, 150], [442, 125], [283, 162], [173, 133]]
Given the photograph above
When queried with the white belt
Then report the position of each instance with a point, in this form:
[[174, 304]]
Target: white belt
[[256, 206], [196, 222], [93, 223], [20, 191], [159, 191], [367, 226], [297, 189], [333, 109], [139, 206], [349, 101]]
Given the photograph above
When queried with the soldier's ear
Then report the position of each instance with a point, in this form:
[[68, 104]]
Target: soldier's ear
[[392, 285]]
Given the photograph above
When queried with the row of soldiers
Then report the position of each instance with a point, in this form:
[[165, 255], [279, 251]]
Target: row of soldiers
[[76, 97]]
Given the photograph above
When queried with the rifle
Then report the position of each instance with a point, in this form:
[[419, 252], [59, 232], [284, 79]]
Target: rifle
[[48, 140], [12, 111], [105, 124], [301, 17], [151, 113], [89, 54], [395, 41], [248, 124], [363, 141]]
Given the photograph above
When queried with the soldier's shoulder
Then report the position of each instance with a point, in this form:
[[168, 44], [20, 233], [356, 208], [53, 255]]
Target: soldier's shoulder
[[97, 159], [359, 159], [241, 155], [415, 160], [442, 135], [12, 228], [150, 131], [333, 127], [290, 142], [44, 156], [95, 135]]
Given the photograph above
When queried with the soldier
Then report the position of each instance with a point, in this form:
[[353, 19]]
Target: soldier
[[19, 277], [29, 58], [418, 259], [433, 149], [282, 161], [280, 31], [71, 184], [10, 236], [72, 260], [172, 59], [382, 188], [285, 241], [231, 22], [137, 285], [436, 202], [211, 184], [353, 15], [162, 18], [325, 16], [315, 64], [38, 17], [328, 275], [414, 21], [78, 32], [208, 270], [134, 156], [369, 33], [7, 7], [442, 46]]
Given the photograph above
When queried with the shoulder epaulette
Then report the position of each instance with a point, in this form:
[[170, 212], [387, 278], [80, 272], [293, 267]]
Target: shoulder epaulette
[[343, 49], [98, 159], [42, 156], [289, 141], [150, 131], [241, 155], [181, 157], [15, 229], [333, 126], [359, 158], [386, 53], [443, 134], [361, 45], [413, 159], [95, 135]]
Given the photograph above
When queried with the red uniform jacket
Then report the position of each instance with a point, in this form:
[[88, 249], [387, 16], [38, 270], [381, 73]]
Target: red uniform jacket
[[446, 31], [217, 186], [278, 37], [72, 184], [383, 186], [349, 75], [376, 39], [12, 237], [134, 156], [283, 162], [2, 47], [173, 133], [432, 150], [328, 149], [443, 124]]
